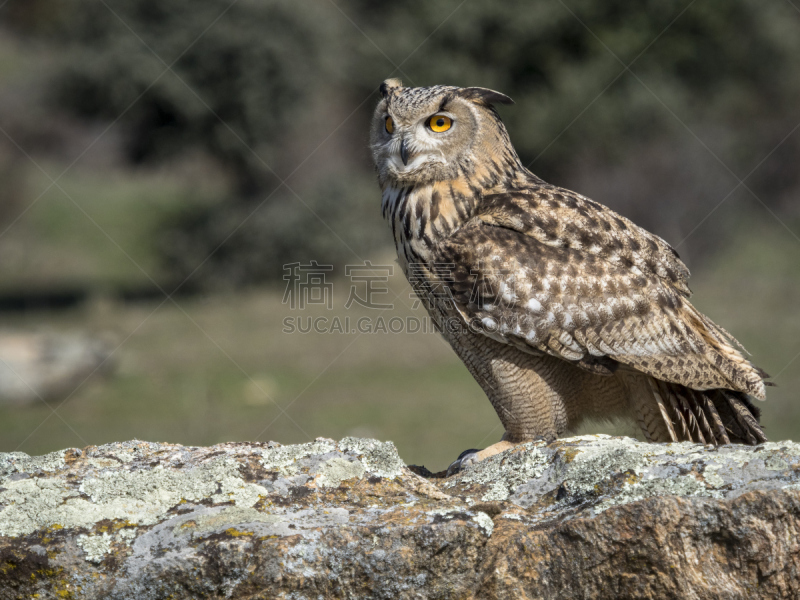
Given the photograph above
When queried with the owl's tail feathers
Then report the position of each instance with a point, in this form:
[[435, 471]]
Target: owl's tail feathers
[[727, 355], [740, 416], [715, 417]]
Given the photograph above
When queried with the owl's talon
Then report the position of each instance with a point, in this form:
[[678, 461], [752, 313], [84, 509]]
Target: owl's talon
[[465, 459], [472, 457]]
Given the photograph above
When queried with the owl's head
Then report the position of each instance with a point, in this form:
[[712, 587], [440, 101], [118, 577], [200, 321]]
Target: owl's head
[[435, 133]]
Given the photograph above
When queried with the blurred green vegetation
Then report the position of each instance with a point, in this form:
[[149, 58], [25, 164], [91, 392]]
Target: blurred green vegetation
[[205, 144]]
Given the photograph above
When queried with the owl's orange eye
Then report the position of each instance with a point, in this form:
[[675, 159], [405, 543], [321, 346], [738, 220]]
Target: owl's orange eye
[[389, 125], [440, 123]]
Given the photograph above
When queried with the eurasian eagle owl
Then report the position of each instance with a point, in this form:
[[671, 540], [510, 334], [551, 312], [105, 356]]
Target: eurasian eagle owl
[[559, 307]]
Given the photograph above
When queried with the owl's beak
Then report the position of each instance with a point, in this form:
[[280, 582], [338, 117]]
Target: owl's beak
[[404, 153]]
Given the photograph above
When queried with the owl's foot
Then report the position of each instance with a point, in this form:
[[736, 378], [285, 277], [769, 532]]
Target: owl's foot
[[474, 456]]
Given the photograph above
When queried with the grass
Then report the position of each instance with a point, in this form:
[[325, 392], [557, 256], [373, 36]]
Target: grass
[[220, 369]]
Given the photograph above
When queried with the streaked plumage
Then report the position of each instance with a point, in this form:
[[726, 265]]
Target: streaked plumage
[[560, 308]]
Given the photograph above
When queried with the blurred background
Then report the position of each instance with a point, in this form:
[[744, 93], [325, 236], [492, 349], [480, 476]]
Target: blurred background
[[160, 163]]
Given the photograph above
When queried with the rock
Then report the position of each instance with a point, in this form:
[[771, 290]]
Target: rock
[[48, 366], [586, 517]]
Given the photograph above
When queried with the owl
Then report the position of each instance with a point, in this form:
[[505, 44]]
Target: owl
[[560, 308]]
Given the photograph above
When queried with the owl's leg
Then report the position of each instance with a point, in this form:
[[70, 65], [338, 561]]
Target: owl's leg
[[527, 392], [530, 395]]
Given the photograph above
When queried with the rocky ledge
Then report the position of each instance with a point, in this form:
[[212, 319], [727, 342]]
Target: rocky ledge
[[584, 517]]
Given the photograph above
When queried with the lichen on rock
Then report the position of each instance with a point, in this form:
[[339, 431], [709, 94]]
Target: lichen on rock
[[592, 516], [379, 458]]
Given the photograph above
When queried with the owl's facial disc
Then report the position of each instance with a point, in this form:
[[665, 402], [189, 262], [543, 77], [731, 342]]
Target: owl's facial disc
[[420, 147], [421, 135]]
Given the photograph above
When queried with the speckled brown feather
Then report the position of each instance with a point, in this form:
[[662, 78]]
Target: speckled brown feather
[[560, 308]]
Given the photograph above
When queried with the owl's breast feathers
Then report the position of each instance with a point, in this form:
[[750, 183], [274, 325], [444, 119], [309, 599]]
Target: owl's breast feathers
[[548, 270], [422, 215]]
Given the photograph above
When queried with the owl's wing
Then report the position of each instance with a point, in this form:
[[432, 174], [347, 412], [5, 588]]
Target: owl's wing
[[585, 304], [564, 219]]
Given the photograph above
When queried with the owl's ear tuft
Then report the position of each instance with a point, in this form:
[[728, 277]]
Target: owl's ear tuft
[[389, 85], [484, 96]]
